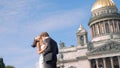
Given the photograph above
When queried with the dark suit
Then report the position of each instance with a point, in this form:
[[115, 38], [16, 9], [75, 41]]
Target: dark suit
[[50, 54]]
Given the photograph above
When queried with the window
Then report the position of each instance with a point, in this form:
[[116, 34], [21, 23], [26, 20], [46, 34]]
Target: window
[[72, 67], [82, 39]]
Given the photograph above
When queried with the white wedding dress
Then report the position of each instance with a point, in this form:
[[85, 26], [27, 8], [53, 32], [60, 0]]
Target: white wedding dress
[[41, 59]]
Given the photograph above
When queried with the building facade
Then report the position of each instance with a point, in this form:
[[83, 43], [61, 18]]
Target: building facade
[[103, 51]]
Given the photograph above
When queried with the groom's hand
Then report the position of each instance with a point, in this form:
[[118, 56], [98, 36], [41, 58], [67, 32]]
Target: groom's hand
[[37, 38]]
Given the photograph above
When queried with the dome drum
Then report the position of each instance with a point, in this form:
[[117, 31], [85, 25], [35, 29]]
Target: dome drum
[[105, 16], [104, 10], [105, 27]]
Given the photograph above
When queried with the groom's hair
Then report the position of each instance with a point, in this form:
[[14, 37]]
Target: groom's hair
[[44, 34]]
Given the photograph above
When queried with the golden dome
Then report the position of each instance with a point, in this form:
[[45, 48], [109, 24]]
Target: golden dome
[[102, 3]]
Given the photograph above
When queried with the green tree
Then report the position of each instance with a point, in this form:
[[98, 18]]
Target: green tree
[[2, 65], [9, 66]]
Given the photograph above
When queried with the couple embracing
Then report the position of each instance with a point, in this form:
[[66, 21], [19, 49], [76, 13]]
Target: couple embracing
[[48, 50]]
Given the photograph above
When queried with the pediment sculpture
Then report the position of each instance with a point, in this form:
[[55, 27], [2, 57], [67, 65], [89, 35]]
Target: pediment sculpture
[[106, 48]]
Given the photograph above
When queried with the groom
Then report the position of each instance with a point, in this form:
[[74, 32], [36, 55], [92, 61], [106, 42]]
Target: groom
[[50, 54]]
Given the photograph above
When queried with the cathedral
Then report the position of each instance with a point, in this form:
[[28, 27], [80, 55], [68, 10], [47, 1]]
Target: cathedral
[[103, 50]]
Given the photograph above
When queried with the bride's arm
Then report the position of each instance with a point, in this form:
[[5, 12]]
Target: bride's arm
[[38, 48], [44, 48]]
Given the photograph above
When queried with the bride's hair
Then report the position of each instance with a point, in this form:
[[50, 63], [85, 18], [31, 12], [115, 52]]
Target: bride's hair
[[41, 41], [44, 34]]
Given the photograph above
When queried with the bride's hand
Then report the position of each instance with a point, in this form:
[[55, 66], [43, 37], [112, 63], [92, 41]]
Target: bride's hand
[[40, 52]]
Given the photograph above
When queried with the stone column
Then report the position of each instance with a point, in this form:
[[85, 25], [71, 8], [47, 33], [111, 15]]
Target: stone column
[[104, 62], [85, 38], [99, 28], [113, 21], [104, 27], [96, 27], [119, 61], [96, 63], [117, 26], [98, 31], [111, 60], [90, 63], [109, 26], [93, 30]]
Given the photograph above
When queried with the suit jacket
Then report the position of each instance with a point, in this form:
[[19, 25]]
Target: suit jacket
[[51, 50]]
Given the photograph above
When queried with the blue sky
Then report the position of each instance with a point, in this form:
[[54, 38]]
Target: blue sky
[[22, 20]]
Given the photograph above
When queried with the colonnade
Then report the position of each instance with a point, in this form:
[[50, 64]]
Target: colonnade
[[103, 27], [108, 62]]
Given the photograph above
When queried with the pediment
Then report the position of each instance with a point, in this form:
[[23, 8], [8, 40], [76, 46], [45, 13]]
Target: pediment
[[106, 48]]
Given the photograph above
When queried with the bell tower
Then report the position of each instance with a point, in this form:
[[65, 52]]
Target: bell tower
[[81, 36]]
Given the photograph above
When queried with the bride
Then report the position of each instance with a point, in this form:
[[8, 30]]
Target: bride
[[40, 49]]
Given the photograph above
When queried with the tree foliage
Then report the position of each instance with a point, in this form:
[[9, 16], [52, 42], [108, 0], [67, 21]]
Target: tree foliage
[[2, 65], [9, 66]]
